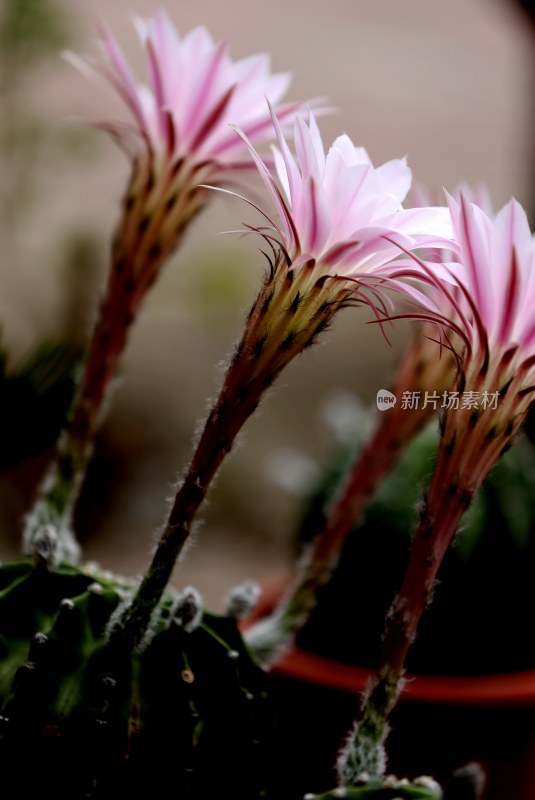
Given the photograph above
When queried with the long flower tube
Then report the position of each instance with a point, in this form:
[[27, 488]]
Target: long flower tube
[[339, 227], [179, 138], [496, 381]]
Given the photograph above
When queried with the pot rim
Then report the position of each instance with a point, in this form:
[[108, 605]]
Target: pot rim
[[515, 688]]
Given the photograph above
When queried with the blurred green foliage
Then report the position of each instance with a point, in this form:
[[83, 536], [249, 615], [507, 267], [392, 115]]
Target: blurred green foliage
[[485, 596], [34, 400], [29, 31]]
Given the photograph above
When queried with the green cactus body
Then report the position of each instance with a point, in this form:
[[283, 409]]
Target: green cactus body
[[83, 718], [423, 789]]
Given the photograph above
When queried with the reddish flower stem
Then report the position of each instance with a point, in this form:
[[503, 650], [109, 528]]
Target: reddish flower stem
[[469, 448], [278, 329], [154, 218]]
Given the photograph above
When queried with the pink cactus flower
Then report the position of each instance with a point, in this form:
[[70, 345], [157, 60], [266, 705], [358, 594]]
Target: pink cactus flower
[[338, 209], [178, 138], [194, 92], [339, 229]]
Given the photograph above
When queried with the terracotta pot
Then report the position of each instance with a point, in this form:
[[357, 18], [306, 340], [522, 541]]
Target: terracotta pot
[[442, 721]]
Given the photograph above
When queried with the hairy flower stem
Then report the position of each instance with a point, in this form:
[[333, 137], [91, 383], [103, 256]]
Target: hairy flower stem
[[419, 370], [285, 319], [155, 215], [471, 443]]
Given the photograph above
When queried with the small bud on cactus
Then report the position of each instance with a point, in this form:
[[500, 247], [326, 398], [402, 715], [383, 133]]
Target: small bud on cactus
[[391, 788], [46, 546], [187, 610], [242, 599]]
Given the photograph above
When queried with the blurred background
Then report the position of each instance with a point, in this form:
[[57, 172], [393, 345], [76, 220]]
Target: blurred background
[[449, 85]]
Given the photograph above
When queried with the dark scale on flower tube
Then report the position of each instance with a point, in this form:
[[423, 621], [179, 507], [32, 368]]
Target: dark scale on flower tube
[[176, 167], [321, 281], [505, 388], [143, 224], [244, 390], [294, 305], [201, 165], [473, 418], [225, 444], [491, 433], [327, 307], [449, 446], [155, 251], [508, 355], [266, 304], [170, 202], [509, 428], [312, 340], [120, 265], [506, 448], [452, 489], [485, 366], [393, 444], [149, 186], [322, 326], [129, 202], [267, 380], [465, 498], [259, 345], [248, 317], [288, 340], [420, 366], [427, 531]]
